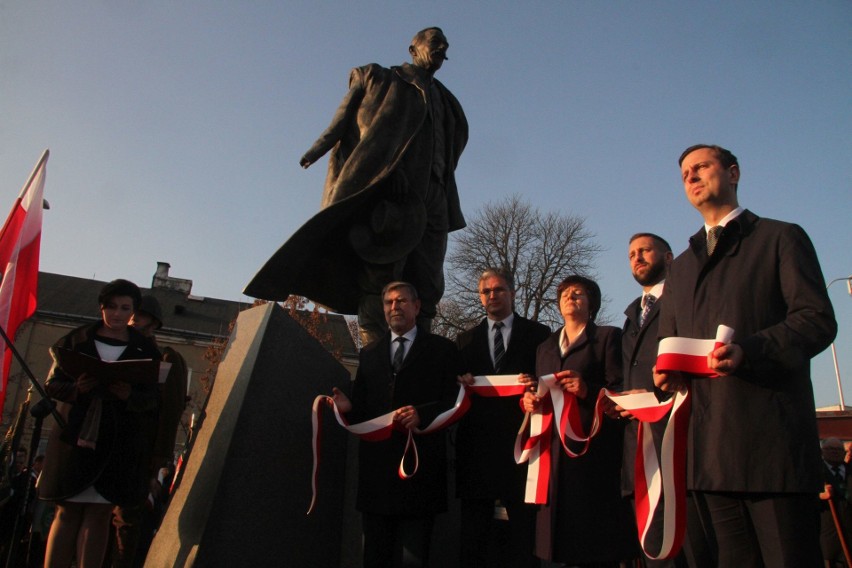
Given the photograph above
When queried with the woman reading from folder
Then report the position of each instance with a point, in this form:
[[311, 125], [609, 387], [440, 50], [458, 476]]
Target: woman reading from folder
[[100, 458]]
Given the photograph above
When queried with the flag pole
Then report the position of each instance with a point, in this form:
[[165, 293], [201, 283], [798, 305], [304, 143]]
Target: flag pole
[[38, 165], [36, 385]]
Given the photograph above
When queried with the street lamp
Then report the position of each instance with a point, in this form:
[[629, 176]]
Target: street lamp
[[848, 280]]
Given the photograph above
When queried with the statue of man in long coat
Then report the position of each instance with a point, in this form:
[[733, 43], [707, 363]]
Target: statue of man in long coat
[[390, 196]]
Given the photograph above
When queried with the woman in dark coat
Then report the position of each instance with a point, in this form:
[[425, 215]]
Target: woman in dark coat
[[586, 522], [100, 458]]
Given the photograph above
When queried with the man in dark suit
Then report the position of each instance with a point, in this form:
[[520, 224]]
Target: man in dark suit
[[650, 257], [753, 446], [504, 343], [412, 373]]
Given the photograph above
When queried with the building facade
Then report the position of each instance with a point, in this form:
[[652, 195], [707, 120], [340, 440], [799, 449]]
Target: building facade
[[194, 326]]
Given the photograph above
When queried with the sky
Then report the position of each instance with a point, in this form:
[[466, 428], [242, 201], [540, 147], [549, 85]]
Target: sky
[[175, 128]]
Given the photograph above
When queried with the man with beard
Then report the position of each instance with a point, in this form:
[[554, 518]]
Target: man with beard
[[650, 256]]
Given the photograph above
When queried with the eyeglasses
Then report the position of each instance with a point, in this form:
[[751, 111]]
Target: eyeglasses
[[496, 291]]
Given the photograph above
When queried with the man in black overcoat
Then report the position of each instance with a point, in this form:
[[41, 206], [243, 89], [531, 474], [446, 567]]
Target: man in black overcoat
[[417, 383], [753, 446], [486, 472]]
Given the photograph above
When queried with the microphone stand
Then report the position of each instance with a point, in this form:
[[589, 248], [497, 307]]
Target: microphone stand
[[36, 385]]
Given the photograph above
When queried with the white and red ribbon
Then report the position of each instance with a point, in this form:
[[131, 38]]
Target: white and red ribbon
[[690, 355], [381, 427], [532, 445], [664, 476]]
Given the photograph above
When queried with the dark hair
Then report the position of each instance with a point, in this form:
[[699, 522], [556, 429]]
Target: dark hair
[[419, 36], [725, 157], [591, 287], [400, 284], [120, 287], [503, 273], [657, 239]]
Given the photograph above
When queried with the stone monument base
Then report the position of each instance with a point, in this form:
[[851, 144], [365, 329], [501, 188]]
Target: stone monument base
[[246, 488]]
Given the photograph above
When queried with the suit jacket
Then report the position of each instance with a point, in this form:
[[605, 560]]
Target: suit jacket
[[427, 380], [589, 519], [639, 355], [485, 439], [754, 431]]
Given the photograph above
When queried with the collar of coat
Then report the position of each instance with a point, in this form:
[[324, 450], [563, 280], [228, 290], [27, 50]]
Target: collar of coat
[[417, 77], [729, 240]]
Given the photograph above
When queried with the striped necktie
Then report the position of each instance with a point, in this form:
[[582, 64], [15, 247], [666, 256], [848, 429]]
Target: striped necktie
[[713, 238], [650, 299], [499, 348], [398, 355]]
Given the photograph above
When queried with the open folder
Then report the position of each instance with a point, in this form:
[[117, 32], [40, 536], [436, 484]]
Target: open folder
[[134, 371]]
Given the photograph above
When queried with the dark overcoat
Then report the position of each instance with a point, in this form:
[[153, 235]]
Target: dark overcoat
[[119, 465], [754, 431], [485, 439], [427, 381], [588, 519]]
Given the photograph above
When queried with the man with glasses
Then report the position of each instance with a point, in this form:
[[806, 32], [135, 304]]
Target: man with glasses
[[487, 477]]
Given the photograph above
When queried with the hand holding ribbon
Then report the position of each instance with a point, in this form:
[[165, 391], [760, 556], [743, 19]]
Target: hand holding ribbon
[[406, 418], [696, 356], [553, 408], [664, 476]]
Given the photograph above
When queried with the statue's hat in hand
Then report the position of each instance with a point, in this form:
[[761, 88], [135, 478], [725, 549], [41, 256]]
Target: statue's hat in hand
[[390, 231]]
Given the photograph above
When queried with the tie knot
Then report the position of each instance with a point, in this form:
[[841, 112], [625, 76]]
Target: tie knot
[[713, 238], [649, 300], [400, 340], [498, 325]]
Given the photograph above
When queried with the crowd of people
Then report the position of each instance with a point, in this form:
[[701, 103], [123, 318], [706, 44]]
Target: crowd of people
[[758, 491], [753, 463]]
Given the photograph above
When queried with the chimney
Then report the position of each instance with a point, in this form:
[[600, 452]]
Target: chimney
[[164, 281]]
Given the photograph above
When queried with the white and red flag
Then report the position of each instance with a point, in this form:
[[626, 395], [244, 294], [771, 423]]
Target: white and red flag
[[20, 239]]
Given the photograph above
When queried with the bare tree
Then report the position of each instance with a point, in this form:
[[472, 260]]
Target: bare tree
[[539, 248]]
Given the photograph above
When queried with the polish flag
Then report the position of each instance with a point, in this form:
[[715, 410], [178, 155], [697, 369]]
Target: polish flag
[[19, 249]]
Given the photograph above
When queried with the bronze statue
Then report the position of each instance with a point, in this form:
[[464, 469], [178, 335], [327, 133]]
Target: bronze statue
[[390, 196]]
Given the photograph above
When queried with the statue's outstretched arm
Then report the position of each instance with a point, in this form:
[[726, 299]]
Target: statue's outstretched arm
[[343, 117]]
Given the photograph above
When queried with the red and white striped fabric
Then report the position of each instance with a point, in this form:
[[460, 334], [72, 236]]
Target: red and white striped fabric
[[664, 476], [380, 428], [20, 240], [532, 444], [690, 355]]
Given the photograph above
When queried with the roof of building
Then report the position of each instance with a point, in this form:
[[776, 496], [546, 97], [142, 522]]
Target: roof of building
[[184, 315]]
